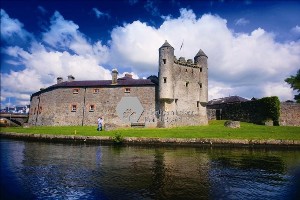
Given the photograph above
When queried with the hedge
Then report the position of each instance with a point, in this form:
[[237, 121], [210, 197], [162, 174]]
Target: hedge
[[256, 111]]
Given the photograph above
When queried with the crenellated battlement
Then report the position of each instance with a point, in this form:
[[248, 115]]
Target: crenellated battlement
[[189, 63]]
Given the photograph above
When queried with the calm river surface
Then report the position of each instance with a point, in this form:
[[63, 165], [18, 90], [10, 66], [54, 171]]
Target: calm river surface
[[38, 170]]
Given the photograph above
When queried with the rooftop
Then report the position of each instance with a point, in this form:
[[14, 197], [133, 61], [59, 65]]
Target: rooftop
[[230, 99], [124, 81]]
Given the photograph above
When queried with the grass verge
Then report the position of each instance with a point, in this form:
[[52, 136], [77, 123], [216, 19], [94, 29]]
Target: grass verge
[[215, 129]]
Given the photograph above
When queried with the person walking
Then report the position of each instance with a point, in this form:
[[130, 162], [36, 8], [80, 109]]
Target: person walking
[[100, 124]]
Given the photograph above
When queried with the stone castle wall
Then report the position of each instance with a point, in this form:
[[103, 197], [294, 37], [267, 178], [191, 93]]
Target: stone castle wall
[[289, 114], [182, 88], [56, 106], [178, 98]]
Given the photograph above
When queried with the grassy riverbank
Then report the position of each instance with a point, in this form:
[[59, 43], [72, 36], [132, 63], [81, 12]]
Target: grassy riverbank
[[215, 129]]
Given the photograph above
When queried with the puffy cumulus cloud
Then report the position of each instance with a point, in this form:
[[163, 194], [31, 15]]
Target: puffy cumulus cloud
[[278, 89], [44, 62], [12, 29], [43, 67], [135, 46], [243, 64], [64, 35], [247, 64]]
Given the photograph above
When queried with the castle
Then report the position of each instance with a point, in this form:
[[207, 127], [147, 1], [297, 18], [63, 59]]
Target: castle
[[178, 97]]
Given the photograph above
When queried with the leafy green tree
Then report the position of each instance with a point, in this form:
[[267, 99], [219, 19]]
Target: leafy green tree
[[294, 81]]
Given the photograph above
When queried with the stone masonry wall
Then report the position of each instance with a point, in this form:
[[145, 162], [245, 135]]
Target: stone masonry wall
[[185, 107], [289, 114], [57, 106]]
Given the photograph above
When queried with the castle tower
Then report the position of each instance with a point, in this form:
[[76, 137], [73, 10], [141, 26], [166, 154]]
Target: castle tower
[[165, 72], [201, 60]]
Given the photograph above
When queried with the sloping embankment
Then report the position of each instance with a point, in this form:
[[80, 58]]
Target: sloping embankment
[[151, 141]]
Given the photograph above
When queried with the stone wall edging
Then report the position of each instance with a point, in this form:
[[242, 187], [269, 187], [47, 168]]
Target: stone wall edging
[[141, 140]]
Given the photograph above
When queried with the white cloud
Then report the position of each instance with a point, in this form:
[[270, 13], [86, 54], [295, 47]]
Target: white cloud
[[245, 64], [278, 89], [240, 63], [100, 14], [43, 64], [12, 29], [241, 22]]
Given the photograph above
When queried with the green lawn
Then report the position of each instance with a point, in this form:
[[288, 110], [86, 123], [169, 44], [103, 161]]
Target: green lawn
[[215, 129]]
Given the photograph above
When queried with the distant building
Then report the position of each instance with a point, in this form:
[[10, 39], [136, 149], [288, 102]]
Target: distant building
[[16, 109], [177, 97], [215, 106]]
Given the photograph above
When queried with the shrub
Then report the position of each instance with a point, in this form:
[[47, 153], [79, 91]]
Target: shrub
[[118, 138]]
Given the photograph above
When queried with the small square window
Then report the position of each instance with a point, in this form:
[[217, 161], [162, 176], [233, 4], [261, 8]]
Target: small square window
[[186, 84], [75, 91], [165, 79], [74, 108], [92, 108], [96, 91], [200, 69], [127, 90]]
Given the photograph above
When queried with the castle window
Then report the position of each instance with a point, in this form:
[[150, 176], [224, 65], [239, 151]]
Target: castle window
[[127, 90], [73, 108], [34, 111], [200, 85], [198, 104], [75, 91], [200, 69], [186, 84], [165, 79], [96, 91], [164, 60], [92, 108], [40, 109], [176, 101], [186, 70]]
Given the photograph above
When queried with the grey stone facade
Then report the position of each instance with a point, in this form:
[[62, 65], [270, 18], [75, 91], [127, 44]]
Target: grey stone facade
[[183, 88], [178, 98], [289, 114]]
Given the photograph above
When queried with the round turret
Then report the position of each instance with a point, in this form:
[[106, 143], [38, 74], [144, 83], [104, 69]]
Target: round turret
[[201, 61], [165, 75]]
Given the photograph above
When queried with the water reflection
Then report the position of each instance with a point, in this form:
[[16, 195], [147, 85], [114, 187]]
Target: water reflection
[[35, 170]]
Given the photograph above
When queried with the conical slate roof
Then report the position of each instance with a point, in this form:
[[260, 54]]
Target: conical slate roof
[[166, 44], [201, 53]]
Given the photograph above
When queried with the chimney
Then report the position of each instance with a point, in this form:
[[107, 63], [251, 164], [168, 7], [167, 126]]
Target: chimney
[[114, 75], [71, 78], [60, 80], [128, 75]]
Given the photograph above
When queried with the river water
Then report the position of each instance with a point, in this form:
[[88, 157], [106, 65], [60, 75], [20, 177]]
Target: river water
[[38, 170]]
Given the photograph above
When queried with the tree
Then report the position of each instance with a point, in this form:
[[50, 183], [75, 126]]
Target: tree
[[294, 81]]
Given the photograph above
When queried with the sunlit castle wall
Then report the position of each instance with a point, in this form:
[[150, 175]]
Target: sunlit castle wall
[[182, 88]]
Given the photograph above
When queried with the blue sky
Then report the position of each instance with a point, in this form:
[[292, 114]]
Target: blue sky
[[252, 46]]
